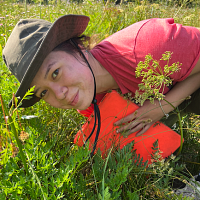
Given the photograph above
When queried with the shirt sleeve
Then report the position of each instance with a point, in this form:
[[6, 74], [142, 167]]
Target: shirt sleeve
[[160, 35]]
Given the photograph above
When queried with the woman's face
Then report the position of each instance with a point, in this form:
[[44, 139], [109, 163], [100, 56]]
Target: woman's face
[[64, 81]]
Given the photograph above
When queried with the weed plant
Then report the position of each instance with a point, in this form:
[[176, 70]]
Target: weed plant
[[58, 169]]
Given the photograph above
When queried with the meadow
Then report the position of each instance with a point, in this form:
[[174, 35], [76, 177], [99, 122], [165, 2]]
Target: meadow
[[38, 158]]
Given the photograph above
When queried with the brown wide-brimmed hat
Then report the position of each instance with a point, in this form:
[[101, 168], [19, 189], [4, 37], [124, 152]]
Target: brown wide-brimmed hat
[[31, 41]]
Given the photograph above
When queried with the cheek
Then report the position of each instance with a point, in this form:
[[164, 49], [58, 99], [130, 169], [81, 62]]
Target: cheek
[[52, 102]]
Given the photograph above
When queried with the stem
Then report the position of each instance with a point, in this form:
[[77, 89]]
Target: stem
[[104, 170], [17, 111], [181, 130], [26, 7], [11, 122], [40, 9], [180, 126], [192, 162], [38, 180]]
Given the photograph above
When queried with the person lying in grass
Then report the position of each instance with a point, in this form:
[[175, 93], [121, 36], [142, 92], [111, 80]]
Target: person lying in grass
[[66, 75]]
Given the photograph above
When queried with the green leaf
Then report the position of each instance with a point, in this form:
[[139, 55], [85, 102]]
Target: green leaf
[[133, 196]]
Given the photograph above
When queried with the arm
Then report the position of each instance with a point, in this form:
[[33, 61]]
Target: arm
[[149, 113]]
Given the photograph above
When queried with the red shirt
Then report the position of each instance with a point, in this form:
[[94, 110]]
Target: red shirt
[[121, 52]]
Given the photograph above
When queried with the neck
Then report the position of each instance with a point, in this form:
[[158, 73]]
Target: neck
[[104, 80]]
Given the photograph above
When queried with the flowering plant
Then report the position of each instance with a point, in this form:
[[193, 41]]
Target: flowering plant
[[154, 78]]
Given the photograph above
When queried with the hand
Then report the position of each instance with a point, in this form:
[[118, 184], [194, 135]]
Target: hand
[[140, 120]]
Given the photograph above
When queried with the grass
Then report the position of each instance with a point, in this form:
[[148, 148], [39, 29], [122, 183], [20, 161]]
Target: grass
[[57, 169]]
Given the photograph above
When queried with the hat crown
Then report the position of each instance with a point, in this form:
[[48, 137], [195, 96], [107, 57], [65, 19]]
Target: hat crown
[[23, 44]]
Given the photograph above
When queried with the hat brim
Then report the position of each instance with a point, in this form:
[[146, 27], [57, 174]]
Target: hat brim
[[62, 29]]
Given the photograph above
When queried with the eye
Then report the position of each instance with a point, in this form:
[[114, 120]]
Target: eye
[[43, 93], [55, 73]]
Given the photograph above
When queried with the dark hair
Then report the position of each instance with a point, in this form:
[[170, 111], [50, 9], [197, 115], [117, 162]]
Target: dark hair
[[68, 47]]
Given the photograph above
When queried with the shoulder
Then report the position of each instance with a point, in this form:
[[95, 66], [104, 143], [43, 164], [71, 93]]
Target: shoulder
[[158, 36], [131, 31], [161, 35], [125, 39], [125, 36], [121, 42]]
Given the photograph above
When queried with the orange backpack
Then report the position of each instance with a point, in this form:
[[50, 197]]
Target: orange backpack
[[114, 107]]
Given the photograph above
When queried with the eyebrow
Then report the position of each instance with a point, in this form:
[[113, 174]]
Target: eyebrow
[[46, 74], [36, 91], [48, 69]]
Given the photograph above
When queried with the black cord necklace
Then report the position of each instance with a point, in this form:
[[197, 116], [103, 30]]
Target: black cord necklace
[[94, 101]]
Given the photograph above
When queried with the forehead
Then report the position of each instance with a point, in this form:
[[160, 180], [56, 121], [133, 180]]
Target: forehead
[[52, 59], [53, 56]]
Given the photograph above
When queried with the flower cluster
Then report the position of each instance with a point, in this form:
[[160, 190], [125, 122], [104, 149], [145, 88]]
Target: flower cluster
[[154, 78], [23, 136]]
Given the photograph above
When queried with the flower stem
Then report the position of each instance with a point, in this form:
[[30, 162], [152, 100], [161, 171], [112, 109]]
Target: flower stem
[[11, 123], [180, 126]]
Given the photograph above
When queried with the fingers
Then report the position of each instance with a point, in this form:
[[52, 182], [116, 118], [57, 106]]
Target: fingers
[[125, 127], [126, 133], [126, 119], [141, 126], [146, 127]]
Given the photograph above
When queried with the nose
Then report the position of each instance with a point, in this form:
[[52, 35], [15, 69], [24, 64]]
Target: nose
[[59, 91]]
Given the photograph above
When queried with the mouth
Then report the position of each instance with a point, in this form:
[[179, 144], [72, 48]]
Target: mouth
[[75, 99]]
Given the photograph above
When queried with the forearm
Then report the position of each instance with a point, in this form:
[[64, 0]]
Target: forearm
[[149, 113], [180, 92]]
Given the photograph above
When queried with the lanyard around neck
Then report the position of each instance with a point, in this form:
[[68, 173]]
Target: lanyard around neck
[[94, 101]]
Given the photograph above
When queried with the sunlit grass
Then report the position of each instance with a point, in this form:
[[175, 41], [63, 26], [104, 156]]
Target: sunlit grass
[[50, 151]]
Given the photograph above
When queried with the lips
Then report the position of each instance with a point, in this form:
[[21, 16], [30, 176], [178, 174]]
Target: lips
[[75, 99]]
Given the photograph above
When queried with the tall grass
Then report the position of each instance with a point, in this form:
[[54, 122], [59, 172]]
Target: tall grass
[[57, 169]]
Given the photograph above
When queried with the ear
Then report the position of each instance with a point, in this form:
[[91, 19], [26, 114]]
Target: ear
[[84, 51]]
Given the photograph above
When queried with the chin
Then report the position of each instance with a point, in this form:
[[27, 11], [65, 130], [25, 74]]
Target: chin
[[85, 106]]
